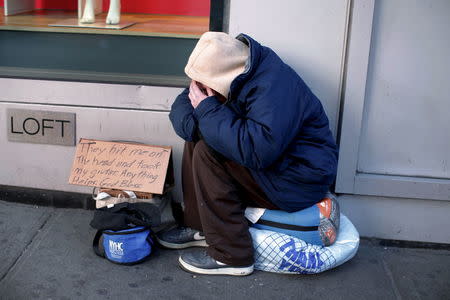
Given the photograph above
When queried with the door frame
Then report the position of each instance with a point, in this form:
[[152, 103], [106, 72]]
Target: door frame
[[349, 179]]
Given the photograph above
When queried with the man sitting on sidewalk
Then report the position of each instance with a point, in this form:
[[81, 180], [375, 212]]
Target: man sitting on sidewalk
[[255, 136]]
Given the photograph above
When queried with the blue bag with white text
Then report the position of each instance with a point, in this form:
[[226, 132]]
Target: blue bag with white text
[[129, 246], [124, 231]]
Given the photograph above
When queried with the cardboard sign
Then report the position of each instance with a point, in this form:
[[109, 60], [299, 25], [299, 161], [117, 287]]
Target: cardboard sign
[[125, 166]]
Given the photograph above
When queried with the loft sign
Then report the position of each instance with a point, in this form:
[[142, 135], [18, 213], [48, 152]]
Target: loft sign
[[41, 127]]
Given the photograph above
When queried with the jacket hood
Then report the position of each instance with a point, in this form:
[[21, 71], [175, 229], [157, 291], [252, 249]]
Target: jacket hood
[[253, 62], [217, 60]]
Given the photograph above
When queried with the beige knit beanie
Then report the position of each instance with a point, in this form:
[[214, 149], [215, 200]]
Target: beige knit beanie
[[217, 60]]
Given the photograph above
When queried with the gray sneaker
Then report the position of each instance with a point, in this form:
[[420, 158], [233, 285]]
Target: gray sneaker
[[181, 237], [199, 262]]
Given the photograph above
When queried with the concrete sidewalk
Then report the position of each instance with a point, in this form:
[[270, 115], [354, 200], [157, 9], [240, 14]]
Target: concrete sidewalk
[[46, 254]]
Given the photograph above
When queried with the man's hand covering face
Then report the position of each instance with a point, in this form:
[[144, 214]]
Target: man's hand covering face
[[198, 93]]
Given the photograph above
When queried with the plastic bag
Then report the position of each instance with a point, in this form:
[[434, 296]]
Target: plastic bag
[[107, 199], [281, 253]]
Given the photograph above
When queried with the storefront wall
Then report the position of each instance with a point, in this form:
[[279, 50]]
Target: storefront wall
[[310, 36], [103, 111]]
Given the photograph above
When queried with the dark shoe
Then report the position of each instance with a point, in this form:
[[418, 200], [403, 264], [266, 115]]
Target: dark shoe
[[181, 237], [199, 262]]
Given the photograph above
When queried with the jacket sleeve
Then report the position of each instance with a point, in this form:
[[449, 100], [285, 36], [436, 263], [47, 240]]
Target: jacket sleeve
[[183, 119], [258, 138]]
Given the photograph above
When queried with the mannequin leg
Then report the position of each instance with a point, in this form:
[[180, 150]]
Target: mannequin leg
[[88, 13], [113, 17]]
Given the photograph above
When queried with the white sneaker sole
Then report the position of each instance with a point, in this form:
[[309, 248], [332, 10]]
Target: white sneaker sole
[[234, 271], [200, 243]]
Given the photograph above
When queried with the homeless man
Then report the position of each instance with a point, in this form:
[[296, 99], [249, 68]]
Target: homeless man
[[255, 136]]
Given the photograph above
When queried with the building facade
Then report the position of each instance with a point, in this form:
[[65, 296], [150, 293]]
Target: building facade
[[379, 67]]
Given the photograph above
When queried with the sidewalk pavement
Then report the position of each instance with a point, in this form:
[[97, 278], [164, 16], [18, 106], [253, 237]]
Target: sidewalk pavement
[[46, 254]]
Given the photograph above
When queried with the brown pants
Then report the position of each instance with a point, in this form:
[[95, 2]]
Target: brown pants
[[216, 192]]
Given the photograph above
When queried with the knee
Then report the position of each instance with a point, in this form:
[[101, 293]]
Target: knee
[[201, 152], [205, 155]]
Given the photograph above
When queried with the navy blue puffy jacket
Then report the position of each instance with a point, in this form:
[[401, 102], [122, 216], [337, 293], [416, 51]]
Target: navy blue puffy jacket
[[272, 124]]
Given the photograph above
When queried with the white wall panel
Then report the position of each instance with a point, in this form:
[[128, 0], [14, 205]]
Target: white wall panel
[[48, 166], [308, 35], [87, 94], [398, 218], [406, 124]]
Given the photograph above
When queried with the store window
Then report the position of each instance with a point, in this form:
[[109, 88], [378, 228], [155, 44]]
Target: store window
[[48, 39]]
